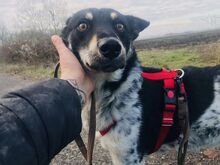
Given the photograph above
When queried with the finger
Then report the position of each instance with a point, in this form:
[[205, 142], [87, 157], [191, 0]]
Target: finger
[[65, 55]]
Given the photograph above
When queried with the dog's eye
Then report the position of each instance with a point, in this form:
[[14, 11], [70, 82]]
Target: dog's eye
[[82, 27], [120, 27]]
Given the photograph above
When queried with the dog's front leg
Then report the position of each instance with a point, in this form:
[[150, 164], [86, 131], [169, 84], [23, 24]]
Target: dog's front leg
[[122, 142], [85, 114], [126, 157]]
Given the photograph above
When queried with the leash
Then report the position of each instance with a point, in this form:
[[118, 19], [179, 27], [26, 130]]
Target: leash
[[87, 154], [183, 115]]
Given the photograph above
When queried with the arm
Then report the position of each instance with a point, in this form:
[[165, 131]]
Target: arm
[[38, 121]]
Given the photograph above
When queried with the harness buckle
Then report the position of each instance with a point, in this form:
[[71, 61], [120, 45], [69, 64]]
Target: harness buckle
[[170, 96], [180, 73]]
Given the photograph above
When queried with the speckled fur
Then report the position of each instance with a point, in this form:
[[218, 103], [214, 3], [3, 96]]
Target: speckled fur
[[124, 107], [205, 132], [133, 102]]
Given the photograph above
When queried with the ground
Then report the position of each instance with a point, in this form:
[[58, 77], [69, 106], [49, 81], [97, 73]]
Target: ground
[[70, 155], [199, 55]]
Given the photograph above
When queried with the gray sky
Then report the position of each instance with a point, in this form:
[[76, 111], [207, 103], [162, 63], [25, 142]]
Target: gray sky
[[166, 16]]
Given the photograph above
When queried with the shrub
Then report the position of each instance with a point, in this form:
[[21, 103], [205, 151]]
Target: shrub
[[30, 47]]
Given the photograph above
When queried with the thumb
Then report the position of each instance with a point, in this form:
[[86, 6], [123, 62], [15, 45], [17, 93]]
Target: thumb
[[59, 45], [67, 58]]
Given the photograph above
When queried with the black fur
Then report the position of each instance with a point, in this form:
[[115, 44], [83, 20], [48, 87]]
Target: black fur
[[200, 94], [149, 98], [112, 86]]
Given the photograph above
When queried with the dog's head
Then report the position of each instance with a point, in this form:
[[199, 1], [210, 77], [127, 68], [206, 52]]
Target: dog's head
[[101, 38]]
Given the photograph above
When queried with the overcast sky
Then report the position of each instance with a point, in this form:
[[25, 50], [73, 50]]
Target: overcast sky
[[166, 16]]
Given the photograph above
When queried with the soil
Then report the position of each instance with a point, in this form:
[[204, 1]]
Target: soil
[[72, 156]]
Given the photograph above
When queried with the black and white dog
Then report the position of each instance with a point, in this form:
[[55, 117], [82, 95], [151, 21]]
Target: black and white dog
[[102, 39]]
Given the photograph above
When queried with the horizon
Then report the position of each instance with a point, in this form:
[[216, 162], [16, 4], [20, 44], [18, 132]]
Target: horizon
[[169, 17]]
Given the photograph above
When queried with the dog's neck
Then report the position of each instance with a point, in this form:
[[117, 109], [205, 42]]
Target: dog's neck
[[115, 90]]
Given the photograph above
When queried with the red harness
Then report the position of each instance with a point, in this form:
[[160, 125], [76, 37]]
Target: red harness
[[107, 129], [170, 98]]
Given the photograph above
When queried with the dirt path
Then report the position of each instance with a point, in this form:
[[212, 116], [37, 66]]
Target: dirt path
[[70, 155], [9, 83]]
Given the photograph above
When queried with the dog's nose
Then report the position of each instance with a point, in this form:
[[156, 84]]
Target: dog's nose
[[110, 48]]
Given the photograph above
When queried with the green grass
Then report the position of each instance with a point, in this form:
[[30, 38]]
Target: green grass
[[201, 55], [177, 58]]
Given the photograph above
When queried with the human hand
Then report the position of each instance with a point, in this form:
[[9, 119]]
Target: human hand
[[71, 69]]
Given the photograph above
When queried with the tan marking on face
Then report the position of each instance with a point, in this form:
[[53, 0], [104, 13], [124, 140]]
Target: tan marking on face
[[89, 53], [93, 43], [114, 15], [89, 16]]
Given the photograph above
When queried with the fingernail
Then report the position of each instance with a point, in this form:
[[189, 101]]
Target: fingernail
[[55, 38]]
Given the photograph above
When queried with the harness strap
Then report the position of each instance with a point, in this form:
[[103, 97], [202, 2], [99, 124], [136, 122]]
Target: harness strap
[[107, 129], [170, 104], [171, 81], [164, 74]]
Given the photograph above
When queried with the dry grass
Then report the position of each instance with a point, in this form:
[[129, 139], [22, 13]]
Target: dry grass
[[200, 55], [34, 72], [209, 52]]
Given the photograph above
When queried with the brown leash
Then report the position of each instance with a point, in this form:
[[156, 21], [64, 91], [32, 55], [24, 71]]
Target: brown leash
[[183, 115], [92, 130], [87, 154]]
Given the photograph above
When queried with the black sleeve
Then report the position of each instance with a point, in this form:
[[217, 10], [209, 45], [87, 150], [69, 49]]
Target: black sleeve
[[37, 122]]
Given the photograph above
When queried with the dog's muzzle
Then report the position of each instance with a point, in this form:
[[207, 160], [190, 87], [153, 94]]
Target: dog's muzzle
[[109, 48], [112, 55]]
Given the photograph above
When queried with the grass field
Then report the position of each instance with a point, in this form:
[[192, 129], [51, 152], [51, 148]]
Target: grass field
[[180, 40], [199, 55], [34, 72]]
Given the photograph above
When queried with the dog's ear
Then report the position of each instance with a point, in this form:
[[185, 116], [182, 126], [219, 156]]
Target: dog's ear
[[65, 32], [136, 25]]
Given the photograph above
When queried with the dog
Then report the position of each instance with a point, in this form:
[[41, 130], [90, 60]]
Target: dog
[[129, 106]]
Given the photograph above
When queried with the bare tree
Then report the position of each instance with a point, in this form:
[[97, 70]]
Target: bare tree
[[3, 34], [45, 16], [212, 20]]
